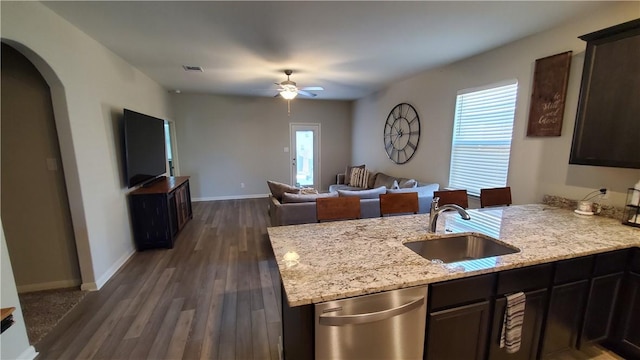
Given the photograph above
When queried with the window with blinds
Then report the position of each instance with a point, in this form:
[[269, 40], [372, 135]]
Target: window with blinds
[[482, 131]]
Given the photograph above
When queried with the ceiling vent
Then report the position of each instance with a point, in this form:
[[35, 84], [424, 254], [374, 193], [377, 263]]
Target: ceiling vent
[[192, 68]]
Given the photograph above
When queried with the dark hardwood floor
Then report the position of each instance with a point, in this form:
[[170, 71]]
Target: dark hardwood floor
[[215, 295]]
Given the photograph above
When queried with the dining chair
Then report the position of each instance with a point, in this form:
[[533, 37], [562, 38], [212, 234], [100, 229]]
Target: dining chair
[[337, 208], [458, 197], [495, 196], [399, 203]]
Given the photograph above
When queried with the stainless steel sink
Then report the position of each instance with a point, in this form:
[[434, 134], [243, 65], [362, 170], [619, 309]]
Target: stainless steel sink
[[460, 247]]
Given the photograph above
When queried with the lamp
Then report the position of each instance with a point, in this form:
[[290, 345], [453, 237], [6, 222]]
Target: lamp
[[289, 92]]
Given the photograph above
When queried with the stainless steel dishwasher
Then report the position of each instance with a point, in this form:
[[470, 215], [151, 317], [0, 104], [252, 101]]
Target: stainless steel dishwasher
[[388, 325]]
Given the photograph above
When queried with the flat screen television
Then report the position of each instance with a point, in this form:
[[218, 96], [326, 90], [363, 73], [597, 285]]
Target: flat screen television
[[144, 143]]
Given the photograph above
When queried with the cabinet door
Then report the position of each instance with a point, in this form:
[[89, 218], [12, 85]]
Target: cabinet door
[[180, 205], [531, 327], [603, 295], [566, 309], [458, 333], [173, 213], [150, 222], [628, 328]]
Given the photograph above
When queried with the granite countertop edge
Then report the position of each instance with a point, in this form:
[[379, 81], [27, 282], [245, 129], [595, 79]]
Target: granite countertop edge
[[338, 260]]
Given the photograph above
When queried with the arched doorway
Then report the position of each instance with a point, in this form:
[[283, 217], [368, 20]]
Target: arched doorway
[[34, 203]]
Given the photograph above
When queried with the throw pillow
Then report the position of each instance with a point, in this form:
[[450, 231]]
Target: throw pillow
[[408, 183], [384, 180], [278, 189], [288, 198], [372, 179], [359, 178], [364, 194], [347, 172]]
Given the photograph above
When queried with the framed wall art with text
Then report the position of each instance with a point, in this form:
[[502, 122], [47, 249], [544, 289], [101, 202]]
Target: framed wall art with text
[[550, 79]]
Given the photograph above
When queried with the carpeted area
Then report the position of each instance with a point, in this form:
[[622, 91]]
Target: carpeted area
[[42, 310]]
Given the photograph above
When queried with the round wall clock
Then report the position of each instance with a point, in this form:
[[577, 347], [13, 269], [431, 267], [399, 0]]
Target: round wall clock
[[401, 133]]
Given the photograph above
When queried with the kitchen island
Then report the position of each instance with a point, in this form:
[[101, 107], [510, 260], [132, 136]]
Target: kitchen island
[[337, 260], [350, 258]]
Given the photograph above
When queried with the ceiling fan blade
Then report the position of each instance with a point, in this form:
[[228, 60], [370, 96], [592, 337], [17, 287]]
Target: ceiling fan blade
[[312, 88], [306, 93]]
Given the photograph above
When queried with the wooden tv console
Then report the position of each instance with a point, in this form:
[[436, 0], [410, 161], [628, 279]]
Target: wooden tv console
[[159, 211]]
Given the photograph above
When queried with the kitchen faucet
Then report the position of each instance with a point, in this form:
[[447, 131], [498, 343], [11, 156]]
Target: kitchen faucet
[[435, 212]]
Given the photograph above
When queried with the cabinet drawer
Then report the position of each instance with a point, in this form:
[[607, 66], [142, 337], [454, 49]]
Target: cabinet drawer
[[455, 292], [573, 270], [611, 262], [525, 279]]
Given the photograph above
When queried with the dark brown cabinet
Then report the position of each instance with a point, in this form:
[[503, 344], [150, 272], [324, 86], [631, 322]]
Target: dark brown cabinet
[[626, 333], [603, 296], [458, 318], [159, 211], [583, 301], [459, 332], [566, 308], [604, 289], [607, 126], [594, 298], [531, 329], [464, 311]]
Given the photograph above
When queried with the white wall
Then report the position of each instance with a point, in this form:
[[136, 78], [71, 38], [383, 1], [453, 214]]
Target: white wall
[[90, 86], [227, 140], [538, 166], [14, 343]]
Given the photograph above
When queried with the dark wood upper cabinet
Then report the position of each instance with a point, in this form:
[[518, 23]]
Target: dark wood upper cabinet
[[607, 131]]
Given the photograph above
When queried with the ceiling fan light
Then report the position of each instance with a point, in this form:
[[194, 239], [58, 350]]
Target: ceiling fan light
[[288, 94]]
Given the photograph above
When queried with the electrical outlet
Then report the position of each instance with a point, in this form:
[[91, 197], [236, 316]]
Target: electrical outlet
[[242, 185]]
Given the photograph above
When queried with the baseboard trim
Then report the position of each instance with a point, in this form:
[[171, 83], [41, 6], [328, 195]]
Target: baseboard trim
[[94, 286], [30, 353], [230, 197], [48, 285]]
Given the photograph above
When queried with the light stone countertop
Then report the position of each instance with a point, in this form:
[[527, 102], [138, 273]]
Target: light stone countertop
[[349, 258]]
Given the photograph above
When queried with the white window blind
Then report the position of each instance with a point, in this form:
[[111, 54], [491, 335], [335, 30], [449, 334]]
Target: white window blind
[[481, 144]]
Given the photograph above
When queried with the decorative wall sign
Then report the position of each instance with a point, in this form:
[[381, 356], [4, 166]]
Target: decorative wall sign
[[550, 79]]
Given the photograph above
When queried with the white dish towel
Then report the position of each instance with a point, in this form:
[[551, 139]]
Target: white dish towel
[[511, 335]]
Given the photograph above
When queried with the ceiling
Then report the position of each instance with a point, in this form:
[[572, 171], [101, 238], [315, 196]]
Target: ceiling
[[350, 48]]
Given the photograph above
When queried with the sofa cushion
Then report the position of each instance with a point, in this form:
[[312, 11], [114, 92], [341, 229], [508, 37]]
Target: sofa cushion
[[422, 191], [385, 180], [359, 178], [364, 194], [408, 183], [298, 198], [278, 189], [335, 187], [347, 172]]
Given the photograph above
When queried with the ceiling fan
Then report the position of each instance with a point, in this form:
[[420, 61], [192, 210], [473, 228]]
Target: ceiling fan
[[289, 90]]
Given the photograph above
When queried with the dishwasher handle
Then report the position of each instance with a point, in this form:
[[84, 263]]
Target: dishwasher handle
[[370, 317]]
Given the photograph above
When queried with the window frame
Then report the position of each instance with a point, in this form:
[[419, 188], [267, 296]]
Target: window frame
[[478, 139]]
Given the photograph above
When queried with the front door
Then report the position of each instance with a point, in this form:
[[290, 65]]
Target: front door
[[305, 155]]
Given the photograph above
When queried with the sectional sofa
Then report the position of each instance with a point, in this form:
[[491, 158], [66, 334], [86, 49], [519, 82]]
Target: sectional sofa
[[290, 208]]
